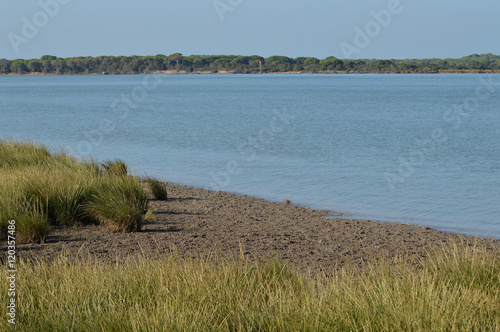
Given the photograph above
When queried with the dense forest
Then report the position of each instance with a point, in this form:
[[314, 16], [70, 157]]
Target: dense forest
[[177, 63]]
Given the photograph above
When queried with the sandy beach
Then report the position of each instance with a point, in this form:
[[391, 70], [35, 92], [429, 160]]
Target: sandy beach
[[197, 222]]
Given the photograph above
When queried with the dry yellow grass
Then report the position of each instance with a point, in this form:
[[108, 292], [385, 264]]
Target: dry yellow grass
[[452, 290]]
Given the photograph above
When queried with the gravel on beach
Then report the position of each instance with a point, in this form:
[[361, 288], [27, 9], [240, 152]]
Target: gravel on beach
[[200, 223]]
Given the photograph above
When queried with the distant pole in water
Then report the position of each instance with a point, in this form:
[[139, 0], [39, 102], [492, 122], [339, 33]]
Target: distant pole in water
[[260, 66]]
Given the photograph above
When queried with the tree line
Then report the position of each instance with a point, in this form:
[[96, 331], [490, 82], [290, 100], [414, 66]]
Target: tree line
[[49, 64]]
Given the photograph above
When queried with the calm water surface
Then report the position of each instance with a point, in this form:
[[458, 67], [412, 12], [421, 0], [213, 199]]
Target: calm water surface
[[420, 149]]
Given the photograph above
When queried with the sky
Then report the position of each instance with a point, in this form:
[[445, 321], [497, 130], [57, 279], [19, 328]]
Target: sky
[[383, 29]]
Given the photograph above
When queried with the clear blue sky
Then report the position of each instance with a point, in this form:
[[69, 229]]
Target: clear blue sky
[[421, 28]]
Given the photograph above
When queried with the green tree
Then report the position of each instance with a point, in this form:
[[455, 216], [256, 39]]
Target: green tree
[[159, 62], [311, 64], [331, 63], [199, 63], [177, 58], [311, 61], [18, 66], [219, 64], [35, 66], [48, 57], [4, 66]]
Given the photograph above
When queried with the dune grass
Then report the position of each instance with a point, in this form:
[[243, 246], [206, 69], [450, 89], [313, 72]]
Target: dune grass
[[39, 188], [451, 290], [116, 167], [157, 188]]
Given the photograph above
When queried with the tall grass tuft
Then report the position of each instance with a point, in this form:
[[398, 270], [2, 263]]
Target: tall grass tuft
[[32, 224], [39, 188], [157, 188], [453, 290], [120, 204], [16, 153], [116, 167]]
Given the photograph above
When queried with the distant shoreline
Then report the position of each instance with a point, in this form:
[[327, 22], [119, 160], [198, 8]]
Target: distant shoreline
[[172, 72], [178, 63]]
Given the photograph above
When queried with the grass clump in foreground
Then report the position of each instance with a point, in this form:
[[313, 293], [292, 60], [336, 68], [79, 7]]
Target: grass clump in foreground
[[452, 290], [157, 188], [39, 189]]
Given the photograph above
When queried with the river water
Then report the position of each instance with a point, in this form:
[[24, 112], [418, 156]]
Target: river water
[[419, 149]]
